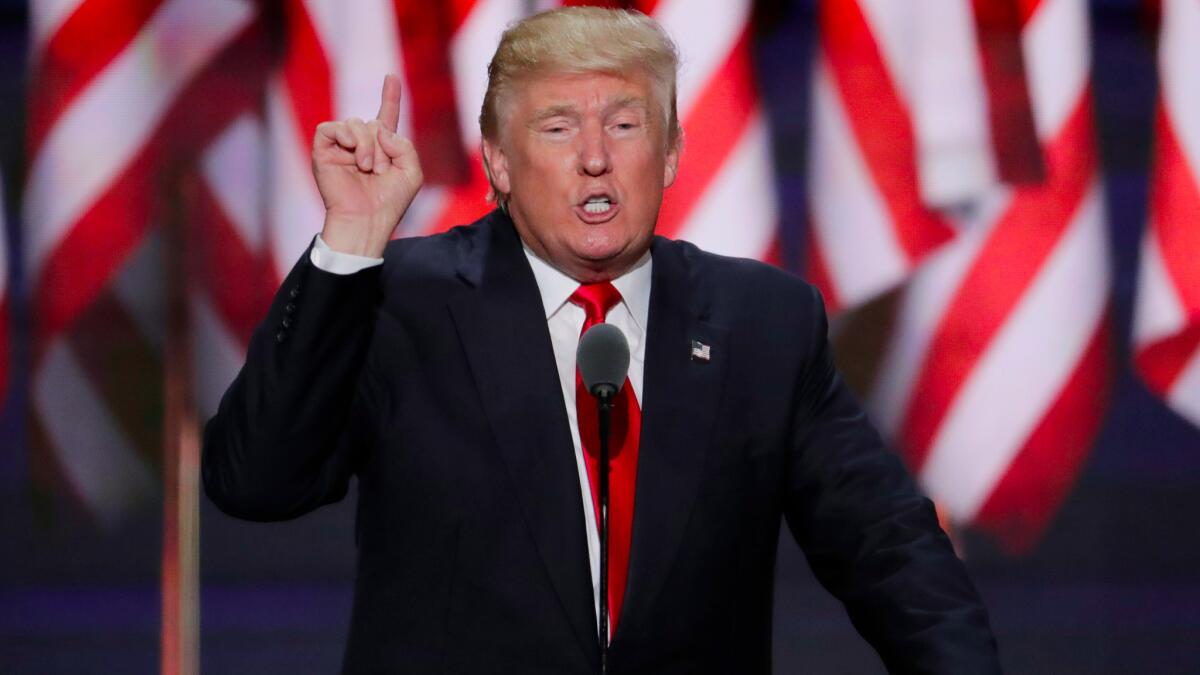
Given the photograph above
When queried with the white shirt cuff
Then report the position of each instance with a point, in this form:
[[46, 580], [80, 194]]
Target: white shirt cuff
[[336, 262]]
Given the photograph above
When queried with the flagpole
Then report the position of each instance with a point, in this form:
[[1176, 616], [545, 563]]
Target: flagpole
[[180, 638]]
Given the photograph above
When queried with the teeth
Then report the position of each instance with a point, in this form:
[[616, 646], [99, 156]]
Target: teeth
[[597, 205]]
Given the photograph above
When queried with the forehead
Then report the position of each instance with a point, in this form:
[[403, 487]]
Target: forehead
[[580, 92]]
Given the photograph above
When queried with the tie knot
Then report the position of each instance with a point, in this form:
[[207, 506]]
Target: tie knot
[[596, 300]]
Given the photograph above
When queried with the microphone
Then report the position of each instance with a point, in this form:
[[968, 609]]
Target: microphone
[[603, 359]]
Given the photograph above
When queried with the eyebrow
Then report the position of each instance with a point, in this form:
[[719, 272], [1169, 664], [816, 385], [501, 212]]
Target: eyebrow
[[567, 110], [630, 102], [555, 111]]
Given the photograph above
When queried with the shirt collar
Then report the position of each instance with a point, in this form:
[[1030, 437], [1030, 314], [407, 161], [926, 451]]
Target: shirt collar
[[556, 288]]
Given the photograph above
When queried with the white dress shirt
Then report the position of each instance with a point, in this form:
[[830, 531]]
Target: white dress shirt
[[565, 321]]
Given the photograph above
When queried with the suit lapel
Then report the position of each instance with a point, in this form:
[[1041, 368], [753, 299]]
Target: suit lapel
[[680, 401], [502, 326]]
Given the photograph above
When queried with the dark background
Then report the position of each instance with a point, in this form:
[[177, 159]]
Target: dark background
[[1114, 587]]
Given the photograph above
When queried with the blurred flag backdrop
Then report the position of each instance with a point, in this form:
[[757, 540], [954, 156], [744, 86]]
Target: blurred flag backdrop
[[201, 113], [974, 180], [1166, 330], [952, 165]]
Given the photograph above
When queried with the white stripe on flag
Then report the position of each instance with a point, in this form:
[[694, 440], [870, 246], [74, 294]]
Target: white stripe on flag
[[232, 166], [705, 34], [844, 199], [1055, 43], [736, 215], [1184, 395], [1158, 312], [294, 210], [471, 50], [1179, 58]]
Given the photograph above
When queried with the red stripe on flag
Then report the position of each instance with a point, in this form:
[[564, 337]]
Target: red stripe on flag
[[465, 203], [458, 11], [1175, 213], [425, 32], [774, 254], [717, 121], [228, 86], [881, 124], [240, 281], [1010, 113], [1002, 271], [1027, 8], [1041, 474], [306, 73], [88, 256], [1161, 363], [83, 46]]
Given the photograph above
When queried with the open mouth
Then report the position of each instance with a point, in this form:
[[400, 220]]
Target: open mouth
[[597, 208], [598, 205]]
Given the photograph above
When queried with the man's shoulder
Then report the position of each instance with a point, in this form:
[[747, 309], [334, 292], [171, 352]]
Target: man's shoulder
[[740, 279], [426, 254], [443, 256]]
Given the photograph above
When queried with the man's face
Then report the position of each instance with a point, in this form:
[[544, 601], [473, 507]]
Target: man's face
[[584, 159]]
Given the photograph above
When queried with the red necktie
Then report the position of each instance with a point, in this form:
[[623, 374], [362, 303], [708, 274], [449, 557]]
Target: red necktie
[[624, 429]]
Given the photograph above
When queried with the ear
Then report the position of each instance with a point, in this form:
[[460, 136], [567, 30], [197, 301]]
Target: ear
[[495, 164], [672, 164]]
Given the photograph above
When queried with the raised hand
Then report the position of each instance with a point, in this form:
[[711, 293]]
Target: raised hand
[[367, 176]]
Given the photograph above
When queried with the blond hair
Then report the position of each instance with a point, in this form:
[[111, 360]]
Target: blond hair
[[581, 40]]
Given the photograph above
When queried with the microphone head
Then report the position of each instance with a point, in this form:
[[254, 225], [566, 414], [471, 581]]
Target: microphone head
[[603, 357]]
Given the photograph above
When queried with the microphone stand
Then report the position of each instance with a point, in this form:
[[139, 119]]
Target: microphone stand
[[605, 394]]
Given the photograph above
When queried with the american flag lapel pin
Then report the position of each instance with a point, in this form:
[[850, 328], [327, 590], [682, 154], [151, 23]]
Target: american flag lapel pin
[[701, 351]]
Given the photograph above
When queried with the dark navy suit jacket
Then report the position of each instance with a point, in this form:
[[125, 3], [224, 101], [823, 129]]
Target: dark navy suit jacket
[[432, 380]]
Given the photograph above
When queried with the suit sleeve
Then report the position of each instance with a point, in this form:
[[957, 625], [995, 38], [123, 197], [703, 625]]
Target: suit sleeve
[[872, 539], [289, 430]]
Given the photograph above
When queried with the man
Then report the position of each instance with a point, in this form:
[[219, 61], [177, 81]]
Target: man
[[441, 372]]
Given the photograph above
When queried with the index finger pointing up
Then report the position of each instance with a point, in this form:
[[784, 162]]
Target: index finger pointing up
[[389, 103]]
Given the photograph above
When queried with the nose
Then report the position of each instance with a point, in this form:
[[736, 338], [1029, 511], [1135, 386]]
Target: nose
[[594, 159]]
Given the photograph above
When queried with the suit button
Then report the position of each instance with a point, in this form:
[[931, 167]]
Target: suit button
[[287, 322], [290, 307], [295, 291], [280, 336]]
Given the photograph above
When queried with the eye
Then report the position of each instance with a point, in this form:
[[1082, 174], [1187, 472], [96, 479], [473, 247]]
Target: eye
[[556, 130]]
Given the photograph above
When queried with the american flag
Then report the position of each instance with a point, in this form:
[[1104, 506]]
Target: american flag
[[201, 112], [1166, 330], [925, 173], [112, 112]]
